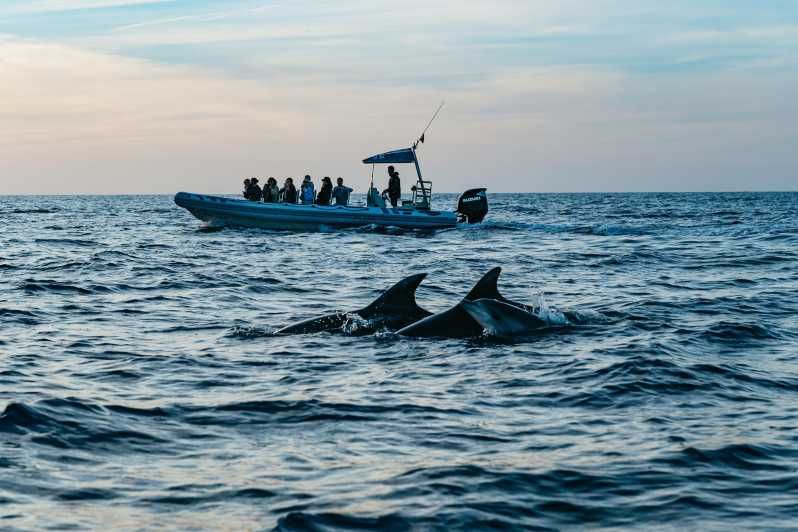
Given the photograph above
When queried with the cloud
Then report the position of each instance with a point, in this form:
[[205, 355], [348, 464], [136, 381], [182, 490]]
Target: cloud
[[762, 35], [44, 6], [540, 95], [74, 120], [81, 121]]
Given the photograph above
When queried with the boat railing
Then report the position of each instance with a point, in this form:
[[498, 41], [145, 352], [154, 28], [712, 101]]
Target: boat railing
[[422, 194]]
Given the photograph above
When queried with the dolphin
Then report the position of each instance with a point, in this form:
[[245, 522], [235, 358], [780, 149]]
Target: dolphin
[[501, 319], [393, 310], [456, 322]]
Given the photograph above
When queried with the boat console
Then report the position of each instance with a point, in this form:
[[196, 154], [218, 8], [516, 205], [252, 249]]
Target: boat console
[[472, 205]]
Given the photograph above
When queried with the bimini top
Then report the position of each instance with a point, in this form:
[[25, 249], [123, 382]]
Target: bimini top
[[405, 155]]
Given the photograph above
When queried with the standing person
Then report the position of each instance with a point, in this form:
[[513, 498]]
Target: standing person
[[341, 193], [394, 189], [288, 193], [271, 192], [246, 188], [325, 192], [307, 192]]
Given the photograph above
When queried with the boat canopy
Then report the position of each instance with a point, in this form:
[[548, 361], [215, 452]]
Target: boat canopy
[[405, 155]]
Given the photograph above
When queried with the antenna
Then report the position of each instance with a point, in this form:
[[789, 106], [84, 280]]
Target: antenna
[[434, 116]]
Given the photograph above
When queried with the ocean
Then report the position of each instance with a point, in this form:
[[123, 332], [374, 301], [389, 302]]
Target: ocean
[[142, 385]]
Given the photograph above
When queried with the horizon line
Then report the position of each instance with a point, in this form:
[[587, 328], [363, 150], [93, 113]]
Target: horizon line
[[123, 194]]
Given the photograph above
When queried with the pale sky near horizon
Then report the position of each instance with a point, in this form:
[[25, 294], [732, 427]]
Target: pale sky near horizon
[[156, 96]]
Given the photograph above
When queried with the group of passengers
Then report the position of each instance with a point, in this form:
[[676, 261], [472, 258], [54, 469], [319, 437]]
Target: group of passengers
[[306, 195], [271, 193]]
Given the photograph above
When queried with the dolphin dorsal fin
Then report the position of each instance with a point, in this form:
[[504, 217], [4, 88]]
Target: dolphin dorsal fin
[[487, 287], [402, 295]]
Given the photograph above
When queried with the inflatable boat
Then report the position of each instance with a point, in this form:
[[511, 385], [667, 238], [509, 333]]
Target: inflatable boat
[[415, 213]]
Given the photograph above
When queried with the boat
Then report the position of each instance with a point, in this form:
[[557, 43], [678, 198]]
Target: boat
[[220, 211], [415, 213]]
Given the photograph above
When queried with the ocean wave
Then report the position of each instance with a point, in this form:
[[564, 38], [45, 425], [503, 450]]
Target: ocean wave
[[39, 210], [744, 456], [558, 228], [632, 258], [69, 242], [614, 230], [25, 317], [338, 521], [58, 287], [74, 424], [303, 411], [87, 494], [640, 377], [739, 333], [521, 499], [182, 496], [56, 265]]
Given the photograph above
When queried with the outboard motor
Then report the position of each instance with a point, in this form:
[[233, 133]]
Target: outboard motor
[[473, 205]]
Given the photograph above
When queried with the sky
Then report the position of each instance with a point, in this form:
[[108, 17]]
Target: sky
[[156, 96]]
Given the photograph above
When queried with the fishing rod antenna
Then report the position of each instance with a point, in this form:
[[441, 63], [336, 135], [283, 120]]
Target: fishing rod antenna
[[434, 116]]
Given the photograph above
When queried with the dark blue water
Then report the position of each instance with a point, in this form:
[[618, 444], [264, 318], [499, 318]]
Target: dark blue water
[[141, 387]]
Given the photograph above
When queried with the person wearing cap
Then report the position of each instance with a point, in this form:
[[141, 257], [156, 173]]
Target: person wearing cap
[[325, 192], [246, 188]]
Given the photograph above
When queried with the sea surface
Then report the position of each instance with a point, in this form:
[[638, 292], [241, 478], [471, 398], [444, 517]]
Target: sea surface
[[142, 387]]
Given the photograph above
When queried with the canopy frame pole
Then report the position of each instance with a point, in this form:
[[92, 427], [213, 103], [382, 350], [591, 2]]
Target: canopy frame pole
[[424, 193], [418, 168]]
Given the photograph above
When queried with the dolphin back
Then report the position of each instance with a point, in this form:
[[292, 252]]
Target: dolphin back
[[398, 303], [502, 319], [451, 323], [456, 322], [394, 309], [487, 287], [328, 322]]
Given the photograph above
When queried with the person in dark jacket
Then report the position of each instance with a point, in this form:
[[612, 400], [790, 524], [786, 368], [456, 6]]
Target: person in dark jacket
[[271, 192], [394, 190], [255, 193], [246, 188], [325, 193], [288, 194]]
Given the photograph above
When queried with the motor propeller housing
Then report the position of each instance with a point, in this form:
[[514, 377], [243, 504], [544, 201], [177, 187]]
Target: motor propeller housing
[[473, 205]]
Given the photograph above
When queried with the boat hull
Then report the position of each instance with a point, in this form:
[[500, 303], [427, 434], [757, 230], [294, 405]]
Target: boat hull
[[221, 211]]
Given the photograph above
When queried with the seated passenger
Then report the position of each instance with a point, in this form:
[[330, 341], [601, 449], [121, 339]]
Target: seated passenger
[[246, 188], [271, 192], [325, 193], [255, 193], [341, 193], [307, 192], [374, 199], [288, 193]]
